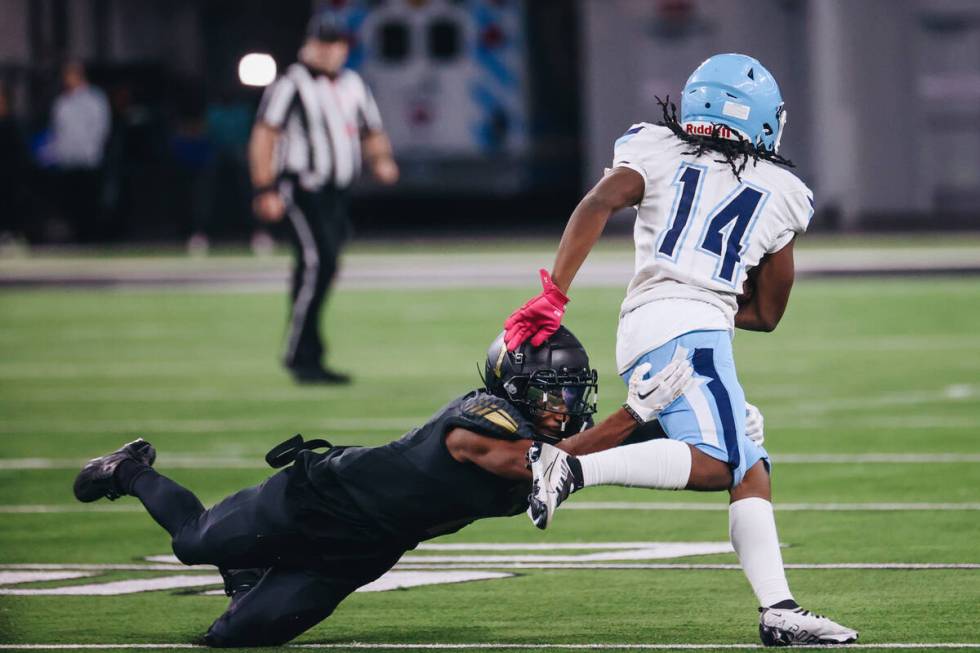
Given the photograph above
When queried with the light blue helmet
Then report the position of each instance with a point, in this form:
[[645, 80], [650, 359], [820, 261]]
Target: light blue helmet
[[737, 91]]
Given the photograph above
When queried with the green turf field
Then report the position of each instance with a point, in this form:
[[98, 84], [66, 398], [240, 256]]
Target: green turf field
[[876, 376]]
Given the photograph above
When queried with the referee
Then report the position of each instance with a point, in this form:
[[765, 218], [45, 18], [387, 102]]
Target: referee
[[313, 126]]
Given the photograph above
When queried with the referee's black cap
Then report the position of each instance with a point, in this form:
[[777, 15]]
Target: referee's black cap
[[326, 26]]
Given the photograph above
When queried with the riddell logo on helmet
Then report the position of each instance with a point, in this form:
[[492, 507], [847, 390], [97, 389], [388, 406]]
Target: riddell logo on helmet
[[708, 129]]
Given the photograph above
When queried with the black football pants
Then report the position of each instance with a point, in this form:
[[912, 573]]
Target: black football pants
[[256, 528], [320, 228]]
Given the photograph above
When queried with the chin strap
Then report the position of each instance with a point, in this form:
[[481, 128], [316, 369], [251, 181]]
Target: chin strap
[[285, 453]]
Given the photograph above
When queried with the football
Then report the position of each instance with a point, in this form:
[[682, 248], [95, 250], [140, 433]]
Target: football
[[748, 287]]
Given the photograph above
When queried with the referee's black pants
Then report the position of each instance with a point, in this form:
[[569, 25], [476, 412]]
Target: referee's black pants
[[320, 229], [302, 580]]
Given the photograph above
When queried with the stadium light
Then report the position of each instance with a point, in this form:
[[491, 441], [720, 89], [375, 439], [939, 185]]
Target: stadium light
[[257, 69]]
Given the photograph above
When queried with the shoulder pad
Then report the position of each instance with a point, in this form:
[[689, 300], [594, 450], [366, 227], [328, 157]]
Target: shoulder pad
[[638, 129], [490, 415]]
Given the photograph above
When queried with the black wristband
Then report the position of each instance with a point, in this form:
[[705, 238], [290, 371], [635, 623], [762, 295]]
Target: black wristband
[[633, 414], [267, 188]]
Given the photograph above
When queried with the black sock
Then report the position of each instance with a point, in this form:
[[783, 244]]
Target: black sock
[[170, 504], [788, 604], [126, 473]]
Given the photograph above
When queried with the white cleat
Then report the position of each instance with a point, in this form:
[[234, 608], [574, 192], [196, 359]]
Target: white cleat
[[799, 627], [553, 480]]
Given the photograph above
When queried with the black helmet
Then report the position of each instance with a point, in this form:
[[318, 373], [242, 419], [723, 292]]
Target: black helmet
[[555, 377], [326, 26]]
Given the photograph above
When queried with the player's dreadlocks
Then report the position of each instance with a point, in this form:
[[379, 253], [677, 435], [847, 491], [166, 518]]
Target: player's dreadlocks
[[737, 153]]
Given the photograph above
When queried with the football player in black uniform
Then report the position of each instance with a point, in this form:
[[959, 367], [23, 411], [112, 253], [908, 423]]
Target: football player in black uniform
[[293, 547]]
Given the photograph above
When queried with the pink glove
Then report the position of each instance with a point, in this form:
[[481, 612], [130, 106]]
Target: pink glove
[[538, 318]]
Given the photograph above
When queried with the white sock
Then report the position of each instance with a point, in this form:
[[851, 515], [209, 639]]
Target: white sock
[[662, 464], [752, 528]]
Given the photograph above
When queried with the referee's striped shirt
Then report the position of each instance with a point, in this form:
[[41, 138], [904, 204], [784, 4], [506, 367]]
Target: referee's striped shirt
[[322, 121]]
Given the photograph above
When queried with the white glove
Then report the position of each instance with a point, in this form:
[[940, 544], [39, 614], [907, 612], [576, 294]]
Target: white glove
[[753, 424], [647, 397]]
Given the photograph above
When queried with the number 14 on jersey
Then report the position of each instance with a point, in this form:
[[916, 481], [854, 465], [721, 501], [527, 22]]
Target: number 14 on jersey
[[726, 227]]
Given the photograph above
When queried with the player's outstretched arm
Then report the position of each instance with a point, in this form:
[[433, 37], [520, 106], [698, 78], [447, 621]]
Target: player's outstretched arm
[[505, 458], [541, 316], [773, 283], [508, 459], [607, 434], [620, 188]]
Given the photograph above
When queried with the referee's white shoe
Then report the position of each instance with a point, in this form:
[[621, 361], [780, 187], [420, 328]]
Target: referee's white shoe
[[799, 627]]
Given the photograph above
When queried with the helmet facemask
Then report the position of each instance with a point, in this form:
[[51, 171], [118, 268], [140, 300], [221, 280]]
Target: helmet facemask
[[781, 116], [571, 395], [768, 130]]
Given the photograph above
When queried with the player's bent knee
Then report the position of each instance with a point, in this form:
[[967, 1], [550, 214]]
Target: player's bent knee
[[188, 548], [755, 483], [708, 474]]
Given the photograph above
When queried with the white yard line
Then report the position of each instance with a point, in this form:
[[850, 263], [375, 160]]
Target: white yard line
[[284, 424], [899, 566], [16, 577], [211, 461], [780, 507], [843, 458], [777, 420], [821, 404], [782, 422], [132, 586], [496, 646], [690, 506], [28, 509], [43, 566], [948, 394], [532, 546], [163, 462], [435, 269], [416, 565]]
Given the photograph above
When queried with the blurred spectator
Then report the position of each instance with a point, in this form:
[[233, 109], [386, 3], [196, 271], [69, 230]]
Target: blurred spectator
[[80, 122], [193, 156], [14, 174], [118, 166], [227, 196]]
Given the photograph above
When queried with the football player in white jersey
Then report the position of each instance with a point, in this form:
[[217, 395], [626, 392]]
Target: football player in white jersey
[[716, 207]]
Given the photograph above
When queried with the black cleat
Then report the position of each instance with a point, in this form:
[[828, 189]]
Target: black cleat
[[96, 478], [319, 375]]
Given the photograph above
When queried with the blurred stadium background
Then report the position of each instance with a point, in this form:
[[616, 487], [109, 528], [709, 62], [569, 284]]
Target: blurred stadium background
[[502, 113]]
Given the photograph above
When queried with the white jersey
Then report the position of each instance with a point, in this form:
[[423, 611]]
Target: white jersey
[[322, 121], [698, 231]]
